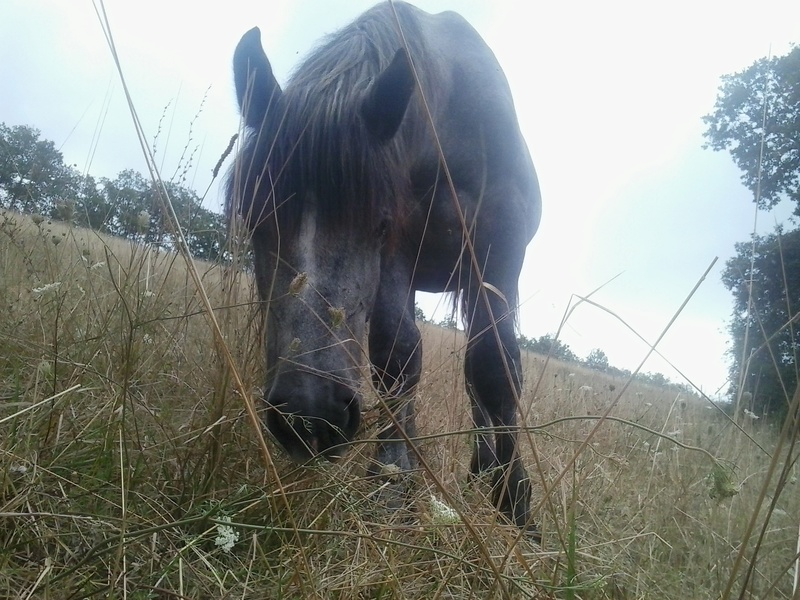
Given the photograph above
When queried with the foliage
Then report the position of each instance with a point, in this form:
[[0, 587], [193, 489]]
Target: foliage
[[548, 345], [33, 176], [35, 180], [448, 322], [771, 350], [419, 314], [597, 360], [739, 123], [757, 119]]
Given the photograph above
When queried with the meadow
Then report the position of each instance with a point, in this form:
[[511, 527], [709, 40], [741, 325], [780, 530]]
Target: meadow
[[129, 467]]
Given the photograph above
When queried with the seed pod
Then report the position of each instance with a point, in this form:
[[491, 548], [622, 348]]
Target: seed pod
[[298, 283], [337, 317]]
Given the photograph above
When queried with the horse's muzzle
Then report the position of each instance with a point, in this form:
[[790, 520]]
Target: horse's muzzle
[[309, 415]]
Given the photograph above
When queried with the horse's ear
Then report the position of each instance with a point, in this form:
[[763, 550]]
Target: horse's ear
[[388, 96], [256, 86]]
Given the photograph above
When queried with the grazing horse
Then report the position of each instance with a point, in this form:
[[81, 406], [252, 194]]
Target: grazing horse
[[391, 162]]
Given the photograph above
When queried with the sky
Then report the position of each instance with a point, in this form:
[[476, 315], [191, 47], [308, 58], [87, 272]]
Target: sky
[[610, 98]]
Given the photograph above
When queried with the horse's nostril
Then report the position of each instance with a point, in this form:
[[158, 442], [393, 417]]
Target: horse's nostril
[[309, 415], [350, 405]]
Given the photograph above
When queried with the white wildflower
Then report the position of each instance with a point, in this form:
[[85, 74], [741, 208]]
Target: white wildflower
[[390, 470], [48, 287], [751, 414], [17, 469], [143, 221], [675, 433], [45, 369], [443, 514], [585, 389], [98, 265], [226, 536], [149, 293], [147, 338]]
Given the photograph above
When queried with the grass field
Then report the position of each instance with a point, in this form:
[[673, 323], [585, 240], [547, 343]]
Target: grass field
[[129, 469]]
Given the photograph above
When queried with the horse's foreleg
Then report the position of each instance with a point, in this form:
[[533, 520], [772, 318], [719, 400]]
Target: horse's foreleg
[[494, 380], [396, 355]]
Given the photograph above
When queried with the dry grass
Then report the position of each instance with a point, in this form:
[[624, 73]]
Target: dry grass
[[126, 461]]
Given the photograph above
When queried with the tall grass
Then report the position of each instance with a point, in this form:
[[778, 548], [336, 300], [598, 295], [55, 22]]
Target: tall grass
[[129, 469], [130, 466]]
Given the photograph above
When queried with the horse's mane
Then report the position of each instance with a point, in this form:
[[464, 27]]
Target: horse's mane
[[317, 141]]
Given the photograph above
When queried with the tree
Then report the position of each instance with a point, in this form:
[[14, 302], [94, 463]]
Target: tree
[[757, 119], [449, 322], [769, 352], [740, 122], [548, 345], [133, 208], [34, 179], [419, 314], [597, 360], [655, 379], [205, 231], [92, 208], [33, 176]]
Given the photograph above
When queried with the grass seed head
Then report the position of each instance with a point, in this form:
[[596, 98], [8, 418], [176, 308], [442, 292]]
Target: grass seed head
[[298, 284], [337, 317]]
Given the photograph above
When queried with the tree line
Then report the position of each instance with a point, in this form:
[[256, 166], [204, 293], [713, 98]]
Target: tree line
[[550, 345], [34, 179]]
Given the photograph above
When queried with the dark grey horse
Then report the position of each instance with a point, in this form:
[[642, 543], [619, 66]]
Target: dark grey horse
[[390, 163]]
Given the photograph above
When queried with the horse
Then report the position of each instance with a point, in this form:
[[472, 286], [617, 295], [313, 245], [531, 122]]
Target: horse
[[392, 162]]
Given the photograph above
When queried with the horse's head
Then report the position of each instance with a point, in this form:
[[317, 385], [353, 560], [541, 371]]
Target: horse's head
[[317, 184]]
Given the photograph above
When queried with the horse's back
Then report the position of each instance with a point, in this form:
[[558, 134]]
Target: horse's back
[[473, 111]]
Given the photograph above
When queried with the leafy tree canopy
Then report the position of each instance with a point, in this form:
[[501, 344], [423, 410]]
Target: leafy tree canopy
[[762, 102], [597, 360], [449, 322], [35, 180], [548, 345], [419, 314], [769, 351], [33, 176]]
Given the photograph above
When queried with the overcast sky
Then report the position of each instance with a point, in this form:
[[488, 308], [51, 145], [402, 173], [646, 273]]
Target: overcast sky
[[610, 98]]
